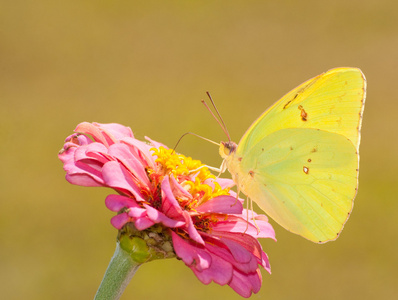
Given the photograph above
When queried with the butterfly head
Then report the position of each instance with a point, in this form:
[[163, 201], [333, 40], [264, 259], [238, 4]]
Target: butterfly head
[[227, 148]]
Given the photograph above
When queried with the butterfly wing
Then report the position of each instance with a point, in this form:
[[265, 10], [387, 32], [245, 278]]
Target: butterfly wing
[[333, 101], [299, 160], [304, 179]]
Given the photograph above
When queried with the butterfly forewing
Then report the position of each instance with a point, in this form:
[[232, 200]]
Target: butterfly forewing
[[332, 101]]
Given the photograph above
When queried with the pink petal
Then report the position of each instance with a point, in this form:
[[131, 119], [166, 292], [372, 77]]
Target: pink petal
[[94, 131], [85, 172], [265, 262], [137, 212], [246, 284], [123, 154], [178, 190], [118, 202], [220, 272], [82, 180], [140, 150], [120, 220], [220, 249], [143, 223], [106, 134], [238, 223], [225, 182], [191, 255], [140, 218], [80, 164], [117, 177], [115, 131], [170, 205], [192, 232], [221, 205], [248, 242], [158, 217]]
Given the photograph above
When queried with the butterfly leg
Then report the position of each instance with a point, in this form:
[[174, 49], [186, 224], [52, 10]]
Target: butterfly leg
[[219, 170], [253, 218], [248, 200]]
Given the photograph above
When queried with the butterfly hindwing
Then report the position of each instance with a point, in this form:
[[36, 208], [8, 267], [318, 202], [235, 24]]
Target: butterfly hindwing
[[304, 179]]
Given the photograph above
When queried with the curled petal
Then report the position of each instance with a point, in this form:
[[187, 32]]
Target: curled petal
[[106, 134]]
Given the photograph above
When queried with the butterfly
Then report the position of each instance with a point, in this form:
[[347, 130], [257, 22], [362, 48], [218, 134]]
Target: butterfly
[[299, 160]]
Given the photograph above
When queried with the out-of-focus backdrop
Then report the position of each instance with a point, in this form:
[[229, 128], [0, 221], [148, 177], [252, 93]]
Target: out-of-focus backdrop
[[147, 65]]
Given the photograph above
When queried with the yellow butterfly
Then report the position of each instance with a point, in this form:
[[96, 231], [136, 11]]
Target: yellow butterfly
[[299, 160]]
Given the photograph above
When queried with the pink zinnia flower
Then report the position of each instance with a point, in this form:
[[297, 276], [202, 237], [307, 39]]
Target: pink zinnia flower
[[157, 188]]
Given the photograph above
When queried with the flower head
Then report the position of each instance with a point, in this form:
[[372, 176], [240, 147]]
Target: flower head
[[173, 199]]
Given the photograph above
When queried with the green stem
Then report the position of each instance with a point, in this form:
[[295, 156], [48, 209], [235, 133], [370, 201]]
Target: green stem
[[117, 276]]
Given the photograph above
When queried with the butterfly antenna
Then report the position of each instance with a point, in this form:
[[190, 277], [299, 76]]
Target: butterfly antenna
[[191, 133], [218, 118]]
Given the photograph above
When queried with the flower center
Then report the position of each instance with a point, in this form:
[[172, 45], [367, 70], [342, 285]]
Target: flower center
[[191, 174]]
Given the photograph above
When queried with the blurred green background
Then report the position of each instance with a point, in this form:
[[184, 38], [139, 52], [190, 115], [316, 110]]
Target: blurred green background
[[147, 65]]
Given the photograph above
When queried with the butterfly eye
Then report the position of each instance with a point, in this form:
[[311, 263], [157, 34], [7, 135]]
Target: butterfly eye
[[228, 147], [227, 151]]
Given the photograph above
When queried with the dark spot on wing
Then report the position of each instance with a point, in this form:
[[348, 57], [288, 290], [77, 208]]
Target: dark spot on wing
[[309, 160], [251, 173], [306, 170], [300, 91], [303, 113], [288, 102], [240, 158], [291, 148], [314, 150]]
